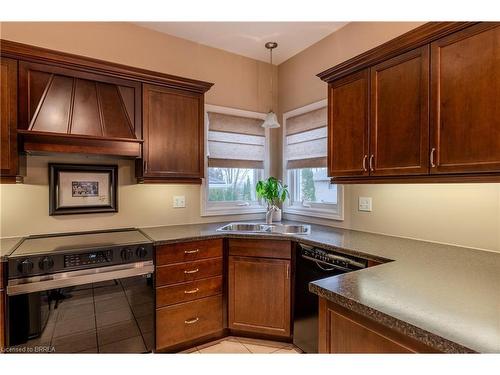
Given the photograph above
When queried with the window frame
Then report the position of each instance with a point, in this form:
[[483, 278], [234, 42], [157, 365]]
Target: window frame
[[322, 210], [226, 207]]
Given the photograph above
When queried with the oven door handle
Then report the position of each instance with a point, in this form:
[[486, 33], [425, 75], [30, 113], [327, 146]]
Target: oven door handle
[[80, 277]]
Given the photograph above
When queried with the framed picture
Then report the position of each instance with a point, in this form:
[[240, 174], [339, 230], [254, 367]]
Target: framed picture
[[82, 188]]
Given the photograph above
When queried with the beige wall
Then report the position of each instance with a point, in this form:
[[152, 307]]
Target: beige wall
[[466, 214], [240, 82], [463, 214]]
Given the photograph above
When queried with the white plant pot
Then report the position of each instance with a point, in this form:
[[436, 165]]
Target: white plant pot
[[277, 215]]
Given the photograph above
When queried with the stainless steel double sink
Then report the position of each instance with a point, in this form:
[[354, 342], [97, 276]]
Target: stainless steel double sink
[[266, 228]]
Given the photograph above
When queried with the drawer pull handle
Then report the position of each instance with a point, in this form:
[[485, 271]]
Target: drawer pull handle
[[371, 162], [433, 165], [191, 321], [191, 271], [196, 290], [191, 251]]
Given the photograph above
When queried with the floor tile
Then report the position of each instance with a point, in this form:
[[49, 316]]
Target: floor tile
[[132, 345], [117, 332], [146, 323], [72, 326], [144, 309], [75, 311], [76, 342], [113, 317], [274, 344], [287, 351], [225, 346], [111, 304], [260, 349], [243, 345], [211, 343]]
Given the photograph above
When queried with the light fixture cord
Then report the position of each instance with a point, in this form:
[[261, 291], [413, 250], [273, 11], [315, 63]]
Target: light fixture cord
[[272, 89]]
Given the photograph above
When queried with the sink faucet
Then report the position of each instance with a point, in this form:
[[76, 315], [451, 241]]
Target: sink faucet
[[269, 214]]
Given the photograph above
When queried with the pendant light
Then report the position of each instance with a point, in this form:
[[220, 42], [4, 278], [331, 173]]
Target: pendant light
[[271, 120]]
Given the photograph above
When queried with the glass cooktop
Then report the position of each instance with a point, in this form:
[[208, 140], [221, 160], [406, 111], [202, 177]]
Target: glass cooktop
[[78, 241]]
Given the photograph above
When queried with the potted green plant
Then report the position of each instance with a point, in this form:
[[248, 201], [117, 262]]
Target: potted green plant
[[274, 193]]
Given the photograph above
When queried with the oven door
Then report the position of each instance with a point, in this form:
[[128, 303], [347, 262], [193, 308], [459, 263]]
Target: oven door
[[102, 310]]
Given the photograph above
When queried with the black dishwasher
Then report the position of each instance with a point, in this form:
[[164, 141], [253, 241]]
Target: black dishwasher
[[315, 264]]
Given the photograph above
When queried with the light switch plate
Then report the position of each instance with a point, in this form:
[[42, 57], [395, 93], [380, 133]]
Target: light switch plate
[[365, 204], [179, 201]]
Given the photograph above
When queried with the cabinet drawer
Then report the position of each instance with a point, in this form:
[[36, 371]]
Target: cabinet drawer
[[169, 295], [188, 271], [186, 321], [260, 248], [188, 251]]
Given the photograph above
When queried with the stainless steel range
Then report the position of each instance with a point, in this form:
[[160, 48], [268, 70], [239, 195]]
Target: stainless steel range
[[81, 292]]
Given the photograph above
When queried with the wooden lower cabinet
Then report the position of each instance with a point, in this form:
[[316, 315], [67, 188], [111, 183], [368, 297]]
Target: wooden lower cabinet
[[344, 331], [189, 293], [259, 292], [188, 271], [187, 321], [183, 292], [2, 320], [2, 307]]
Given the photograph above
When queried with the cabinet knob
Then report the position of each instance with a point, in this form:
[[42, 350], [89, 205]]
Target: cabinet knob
[[191, 321], [191, 251], [191, 271], [364, 163], [192, 291]]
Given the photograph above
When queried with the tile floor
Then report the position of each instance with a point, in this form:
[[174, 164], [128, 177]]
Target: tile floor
[[242, 345]]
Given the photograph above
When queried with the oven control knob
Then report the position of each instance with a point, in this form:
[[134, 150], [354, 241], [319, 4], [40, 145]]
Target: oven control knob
[[127, 253], [46, 264], [141, 252], [25, 266]]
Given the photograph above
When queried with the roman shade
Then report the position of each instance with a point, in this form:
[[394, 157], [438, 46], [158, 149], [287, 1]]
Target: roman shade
[[235, 142], [306, 137]]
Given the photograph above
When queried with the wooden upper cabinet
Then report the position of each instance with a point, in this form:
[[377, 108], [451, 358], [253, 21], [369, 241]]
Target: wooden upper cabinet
[[465, 91], [173, 125], [8, 122], [348, 125], [399, 115]]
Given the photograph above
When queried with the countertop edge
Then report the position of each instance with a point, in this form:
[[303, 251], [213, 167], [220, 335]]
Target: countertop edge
[[428, 338], [277, 236]]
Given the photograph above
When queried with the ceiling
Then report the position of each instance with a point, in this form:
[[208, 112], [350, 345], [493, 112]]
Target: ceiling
[[248, 38]]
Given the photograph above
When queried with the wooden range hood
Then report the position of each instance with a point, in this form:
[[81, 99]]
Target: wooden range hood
[[65, 110]]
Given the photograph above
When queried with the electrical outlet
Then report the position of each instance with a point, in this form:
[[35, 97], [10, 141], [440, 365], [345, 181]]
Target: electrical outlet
[[365, 204], [179, 201]]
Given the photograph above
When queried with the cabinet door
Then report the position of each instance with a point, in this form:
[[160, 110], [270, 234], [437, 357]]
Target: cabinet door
[[173, 134], [259, 295], [343, 331], [399, 115], [465, 87], [8, 122], [348, 126]]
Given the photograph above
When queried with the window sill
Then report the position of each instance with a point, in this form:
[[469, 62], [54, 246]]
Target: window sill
[[222, 211], [315, 212]]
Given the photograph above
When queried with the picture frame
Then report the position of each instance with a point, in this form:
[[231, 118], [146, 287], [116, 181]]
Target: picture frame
[[82, 189]]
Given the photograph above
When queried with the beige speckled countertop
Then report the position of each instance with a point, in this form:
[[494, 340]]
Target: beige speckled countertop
[[445, 296]]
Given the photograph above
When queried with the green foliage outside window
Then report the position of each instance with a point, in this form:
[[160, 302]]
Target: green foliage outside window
[[308, 189]]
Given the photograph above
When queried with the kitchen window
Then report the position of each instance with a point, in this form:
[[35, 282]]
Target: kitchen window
[[237, 157], [304, 156]]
